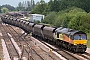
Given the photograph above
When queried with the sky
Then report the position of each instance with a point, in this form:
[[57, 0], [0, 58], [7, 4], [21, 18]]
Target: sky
[[15, 2]]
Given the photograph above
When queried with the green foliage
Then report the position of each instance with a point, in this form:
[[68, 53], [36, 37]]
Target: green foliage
[[50, 4], [0, 9], [50, 18], [37, 9], [80, 21], [67, 15], [58, 5], [58, 20], [74, 18], [86, 23], [76, 22], [37, 21], [88, 36], [4, 10], [11, 8], [54, 5], [40, 8]]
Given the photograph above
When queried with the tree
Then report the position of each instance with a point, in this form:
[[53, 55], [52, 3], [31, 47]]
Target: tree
[[25, 5], [58, 5], [20, 6], [83, 4], [4, 10], [50, 4], [29, 6], [54, 5], [40, 7], [50, 18], [11, 8], [32, 4], [0, 9], [86, 23]]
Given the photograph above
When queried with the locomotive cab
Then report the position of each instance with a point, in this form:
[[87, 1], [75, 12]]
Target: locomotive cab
[[80, 38], [80, 41], [71, 39]]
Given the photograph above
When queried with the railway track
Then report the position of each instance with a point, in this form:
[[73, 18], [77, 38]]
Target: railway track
[[43, 54], [10, 47], [14, 34], [8, 35], [22, 41], [85, 55]]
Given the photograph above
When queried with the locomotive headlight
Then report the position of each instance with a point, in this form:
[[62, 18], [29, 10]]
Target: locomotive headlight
[[75, 43]]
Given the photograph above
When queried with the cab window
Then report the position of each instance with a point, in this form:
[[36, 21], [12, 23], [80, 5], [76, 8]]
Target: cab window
[[76, 37], [80, 37], [83, 36]]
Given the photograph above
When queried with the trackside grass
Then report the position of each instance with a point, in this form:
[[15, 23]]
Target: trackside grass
[[88, 37]]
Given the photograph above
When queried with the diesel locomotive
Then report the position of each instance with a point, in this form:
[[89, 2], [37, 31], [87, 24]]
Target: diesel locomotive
[[73, 40]]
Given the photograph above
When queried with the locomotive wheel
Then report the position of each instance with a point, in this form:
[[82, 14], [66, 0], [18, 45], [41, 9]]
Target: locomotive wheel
[[70, 47]]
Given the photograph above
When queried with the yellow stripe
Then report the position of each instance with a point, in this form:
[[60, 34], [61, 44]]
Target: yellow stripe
[[80, 42], [60, 37]]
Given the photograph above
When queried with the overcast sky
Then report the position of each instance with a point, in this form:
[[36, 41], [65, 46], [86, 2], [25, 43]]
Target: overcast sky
[[15, 2]]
